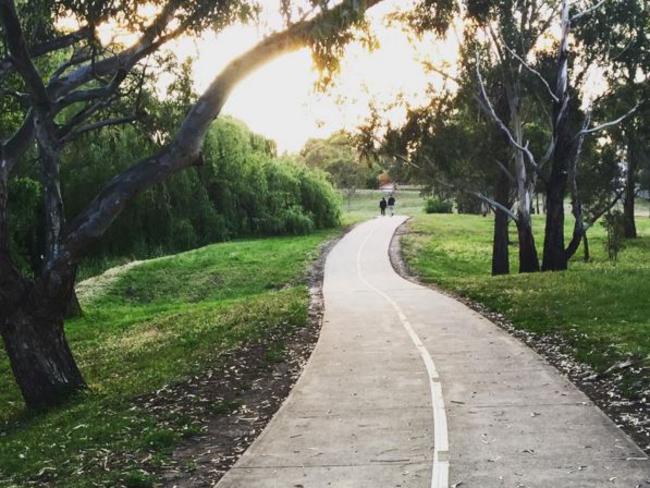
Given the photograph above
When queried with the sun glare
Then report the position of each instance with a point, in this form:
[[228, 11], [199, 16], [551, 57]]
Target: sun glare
[[279, 100]]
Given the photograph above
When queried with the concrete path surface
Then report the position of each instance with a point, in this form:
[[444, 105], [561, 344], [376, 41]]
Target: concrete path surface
[[410, 388]]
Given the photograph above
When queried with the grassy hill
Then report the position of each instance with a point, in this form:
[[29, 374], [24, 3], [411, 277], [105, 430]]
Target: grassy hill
[[600, 302], [146, 325], [598, 309]]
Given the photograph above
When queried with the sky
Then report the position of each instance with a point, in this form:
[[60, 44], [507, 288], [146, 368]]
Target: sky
[[279, 100]]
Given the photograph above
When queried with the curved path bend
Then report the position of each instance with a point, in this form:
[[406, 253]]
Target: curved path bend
[[410, 388]]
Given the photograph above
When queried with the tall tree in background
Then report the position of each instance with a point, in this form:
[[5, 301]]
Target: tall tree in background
[[73, 98], [618, 39], [520, 86], [450, 147], [565, 140]]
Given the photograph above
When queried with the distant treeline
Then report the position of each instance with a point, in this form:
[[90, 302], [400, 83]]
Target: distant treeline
[[241, 189]]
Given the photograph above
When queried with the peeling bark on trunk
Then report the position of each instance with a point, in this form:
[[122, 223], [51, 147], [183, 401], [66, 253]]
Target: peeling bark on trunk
[[40, 358], [554, 253], [528, 259], [500, 251]]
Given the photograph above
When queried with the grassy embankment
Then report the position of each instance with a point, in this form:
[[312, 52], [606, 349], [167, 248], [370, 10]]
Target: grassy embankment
[[600, 307], [146, 326]]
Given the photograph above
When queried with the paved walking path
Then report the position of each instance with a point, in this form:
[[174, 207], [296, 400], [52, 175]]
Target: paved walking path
[[410, 388]]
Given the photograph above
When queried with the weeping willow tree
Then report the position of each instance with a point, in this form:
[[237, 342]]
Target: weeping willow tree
[[59, 85]]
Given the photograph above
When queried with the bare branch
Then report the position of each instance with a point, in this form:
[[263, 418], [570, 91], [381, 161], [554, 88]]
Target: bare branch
[[591, 9], [505, 170], [491, 202], [76, 59], [611, 123], [20, 57], [549, 152], [185, 148], [94, 93], [490, 109], [98, 125], [597, 214], [531, 70], [81, 116], [67, 40], [441, 72]]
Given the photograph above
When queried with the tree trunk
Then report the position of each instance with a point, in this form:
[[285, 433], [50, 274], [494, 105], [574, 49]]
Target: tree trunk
[[73, 310], [528, 259], [630, 193], [585, 241], [41, 360], [31, 326], [500, 251], [555, 256]]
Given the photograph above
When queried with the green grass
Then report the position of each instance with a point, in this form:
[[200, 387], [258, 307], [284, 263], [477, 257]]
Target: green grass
[[364, 204], [600, 307], [146, 326]]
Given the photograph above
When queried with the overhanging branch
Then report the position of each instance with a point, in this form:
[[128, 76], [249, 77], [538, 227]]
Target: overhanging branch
[[487, 105], [184, 150], [611, 123]]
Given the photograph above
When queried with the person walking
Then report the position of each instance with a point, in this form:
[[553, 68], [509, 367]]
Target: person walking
[[382, 206], [391, 205]]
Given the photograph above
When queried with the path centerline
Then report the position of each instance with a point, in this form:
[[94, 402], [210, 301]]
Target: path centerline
[[440, 465], [360, 416]]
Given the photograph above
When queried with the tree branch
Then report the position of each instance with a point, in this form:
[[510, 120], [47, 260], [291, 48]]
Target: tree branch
[[505, 170], [94, 93], [67, 40], [184, 150], [98, 125], [611, 123], [490, 110], [491, 202], [444, 74], [19, 53], [591, 9], [531, 70]]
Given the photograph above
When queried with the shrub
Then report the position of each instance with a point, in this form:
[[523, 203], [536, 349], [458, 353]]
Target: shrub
[[242, 190], [436, 205], [614, 224]]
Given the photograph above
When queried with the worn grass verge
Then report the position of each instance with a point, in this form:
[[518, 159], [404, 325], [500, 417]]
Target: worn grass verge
[[144, 327]]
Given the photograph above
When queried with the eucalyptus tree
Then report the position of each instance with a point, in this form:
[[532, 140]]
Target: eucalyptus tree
[[458, 153], [565, 141], [75, 97], [618, 39]]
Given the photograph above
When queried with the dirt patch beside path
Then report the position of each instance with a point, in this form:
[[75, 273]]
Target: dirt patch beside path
[[231, 404], [631, 414]]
